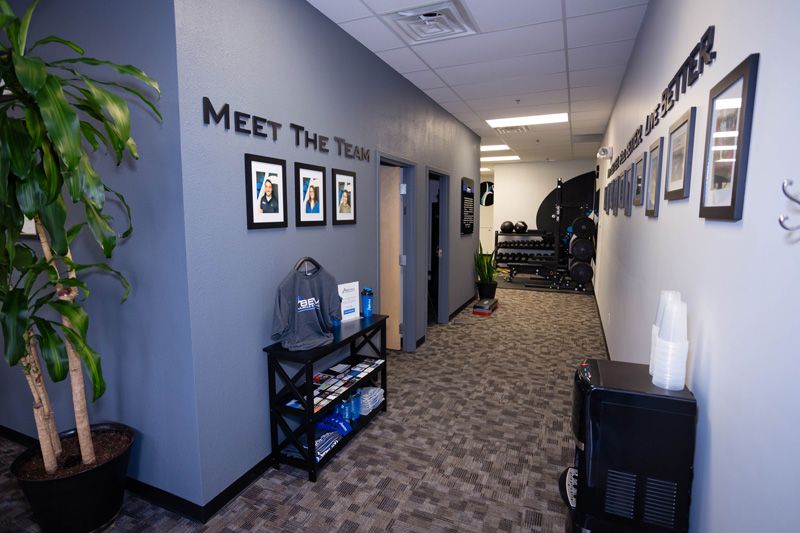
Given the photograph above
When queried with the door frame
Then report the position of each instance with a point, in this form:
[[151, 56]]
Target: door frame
[[443, 311], [408, 272]]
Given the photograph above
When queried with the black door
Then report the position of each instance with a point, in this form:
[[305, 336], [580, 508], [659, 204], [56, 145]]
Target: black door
[[434, 253]]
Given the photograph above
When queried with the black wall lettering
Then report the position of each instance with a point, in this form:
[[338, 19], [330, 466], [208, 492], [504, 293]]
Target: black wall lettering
[[239, 121], [209, 113], [323, 144], [312, 139], [339, 142], [297, 129], [348, 150], [258, 126], [275, 126]]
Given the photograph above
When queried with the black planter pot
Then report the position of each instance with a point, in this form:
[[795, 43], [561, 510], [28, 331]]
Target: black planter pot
[[83, 502], [486, 289]]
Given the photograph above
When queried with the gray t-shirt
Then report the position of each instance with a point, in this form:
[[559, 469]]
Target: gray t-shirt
[[305, 307]]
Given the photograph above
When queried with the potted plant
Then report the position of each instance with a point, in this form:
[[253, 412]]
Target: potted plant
[[50, 114], [486, 270]]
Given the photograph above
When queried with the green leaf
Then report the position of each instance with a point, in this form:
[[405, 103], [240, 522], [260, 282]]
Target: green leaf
[[129, 230], [74, 282], [132, 148], [103, 232], [138, 94], [31, 196], [53, 217], [55, 39], [128, 70], [73, 232], [91, 184], [31, 72], [34, 126], [105, 268], [23, 257], [51, 171], [5, 166], [20, 147], [116, 115], [14, 318], [25, 23], [91, 134], [5, 20], [73, 312], [53, 350], [61, 121], [90, 358]]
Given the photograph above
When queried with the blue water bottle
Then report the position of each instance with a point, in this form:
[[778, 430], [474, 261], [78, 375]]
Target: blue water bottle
[[366, 302]]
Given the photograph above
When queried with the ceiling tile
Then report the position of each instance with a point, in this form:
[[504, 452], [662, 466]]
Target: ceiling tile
[[585, 127], [600, 114], [389, 6], [442, 94], [424, 79], [490, 46], [605, 77], [592, 105], [604, 55], [456, 107], [524, 111], [504, 14], [468, 116], [372, 34], [524, 84], [402, 60], [540, 141], [586, 7], [605, 27], [593, 93], [585, 149], [341, 10], [545, 63], [530, 99]]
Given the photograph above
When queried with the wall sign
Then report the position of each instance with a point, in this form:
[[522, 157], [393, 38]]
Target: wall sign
[[689, 72], [467, 206], [258, 126]]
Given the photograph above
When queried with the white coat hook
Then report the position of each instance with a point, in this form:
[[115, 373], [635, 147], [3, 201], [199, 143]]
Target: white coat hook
[[796, 199]]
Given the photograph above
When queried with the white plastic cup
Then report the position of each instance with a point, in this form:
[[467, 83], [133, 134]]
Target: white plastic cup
[[673, 323], [669, 364], [653, 340], [663, 300]]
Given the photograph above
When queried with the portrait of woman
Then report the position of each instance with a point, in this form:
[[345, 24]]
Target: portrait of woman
[[312, 203], [343, 203], [310, 194]]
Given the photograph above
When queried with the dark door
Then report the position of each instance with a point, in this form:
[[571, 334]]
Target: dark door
[[434, 251]]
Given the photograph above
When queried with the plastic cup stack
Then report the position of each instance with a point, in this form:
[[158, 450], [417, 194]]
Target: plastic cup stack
[[672, 347], [663, 300]]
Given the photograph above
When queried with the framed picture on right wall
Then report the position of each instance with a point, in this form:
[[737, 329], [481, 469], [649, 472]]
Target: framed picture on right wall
[[679, 157], [730, 117], [653, 182]]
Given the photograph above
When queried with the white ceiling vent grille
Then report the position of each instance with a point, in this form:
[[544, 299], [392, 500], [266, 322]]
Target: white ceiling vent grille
[[435, 22], [512, 130]]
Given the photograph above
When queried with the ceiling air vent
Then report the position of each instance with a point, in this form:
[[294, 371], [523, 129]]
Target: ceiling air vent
[[588, 138], [512, 130], [435, 22]]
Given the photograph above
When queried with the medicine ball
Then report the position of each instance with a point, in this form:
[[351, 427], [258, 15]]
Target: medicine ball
[[580, 272], [520, 227], [583, 227], [581, 249], [507, 227]]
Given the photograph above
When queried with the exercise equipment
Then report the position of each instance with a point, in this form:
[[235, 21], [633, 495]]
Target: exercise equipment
[[583, 227], [581, 249], [521, 227], [580, 271], [507, 227]]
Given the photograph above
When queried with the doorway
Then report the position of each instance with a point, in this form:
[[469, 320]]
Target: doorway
[[390, 290], [438, 187]]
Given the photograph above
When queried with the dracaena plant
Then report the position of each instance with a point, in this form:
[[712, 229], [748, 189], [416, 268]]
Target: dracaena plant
[[484, 265], [51, 115]]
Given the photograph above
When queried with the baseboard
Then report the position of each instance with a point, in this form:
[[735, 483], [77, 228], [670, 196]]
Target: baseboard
[[463, 306], [420, 341], [602, 328], [167, 500]]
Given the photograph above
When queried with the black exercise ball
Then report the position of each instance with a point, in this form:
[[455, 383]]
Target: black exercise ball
[[520, 227], [507, 227], [583, 227]]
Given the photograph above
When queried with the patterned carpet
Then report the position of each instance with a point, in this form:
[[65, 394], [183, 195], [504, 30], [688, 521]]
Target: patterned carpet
[[476, 435]]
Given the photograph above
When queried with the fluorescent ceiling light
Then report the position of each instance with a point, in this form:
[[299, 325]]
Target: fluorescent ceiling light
[[494, 147], [732, 160], [528, 121], [484, 169], [721, 147], [728, 103], [724, 134], [501, 158]]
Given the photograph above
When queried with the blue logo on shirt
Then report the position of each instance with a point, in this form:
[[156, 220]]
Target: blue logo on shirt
[[308, 304]]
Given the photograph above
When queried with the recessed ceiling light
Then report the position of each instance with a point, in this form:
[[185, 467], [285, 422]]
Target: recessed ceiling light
[[494, 147], [528, 121], [501, 158], [484, 169]]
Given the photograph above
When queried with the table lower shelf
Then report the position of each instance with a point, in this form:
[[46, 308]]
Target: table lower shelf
[[312, 469]]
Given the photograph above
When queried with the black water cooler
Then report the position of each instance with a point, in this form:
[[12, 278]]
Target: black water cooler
[[634, 450]]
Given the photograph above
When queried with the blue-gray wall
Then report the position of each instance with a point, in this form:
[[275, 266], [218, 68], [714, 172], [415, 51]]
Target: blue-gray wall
[[145, 342], [285, 61]]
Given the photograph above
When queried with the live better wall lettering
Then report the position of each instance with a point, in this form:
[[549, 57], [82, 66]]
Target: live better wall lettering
[[258, 126]]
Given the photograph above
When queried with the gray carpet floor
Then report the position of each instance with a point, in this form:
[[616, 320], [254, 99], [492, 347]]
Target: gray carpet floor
[[475, 437]]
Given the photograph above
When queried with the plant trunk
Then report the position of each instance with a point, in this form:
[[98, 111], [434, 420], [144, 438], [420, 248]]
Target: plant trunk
[[47, 408], [34, 377], [75, 371]]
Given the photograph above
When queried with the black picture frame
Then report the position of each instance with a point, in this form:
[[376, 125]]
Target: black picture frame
[[605, 199], [685, 166], [745, 74], [316, 176], [629, 191], [615, 196], [338, 218], [652, 195], [639, 176], [258, 217]]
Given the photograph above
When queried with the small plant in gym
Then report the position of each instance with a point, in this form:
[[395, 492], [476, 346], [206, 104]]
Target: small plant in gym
[[52, 114], [485, 270]]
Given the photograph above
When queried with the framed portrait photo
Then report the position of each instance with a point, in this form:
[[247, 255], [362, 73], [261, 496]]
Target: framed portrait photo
[[309, 182], [605, 199], [730, 117], [621, 191], [629, 191], [615, 196], [679, 157], [639, 172], [265, 188], [652, 193], [343, 196]]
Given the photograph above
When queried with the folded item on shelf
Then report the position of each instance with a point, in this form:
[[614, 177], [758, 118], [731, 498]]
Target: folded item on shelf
[[323, 444], [371, 397]]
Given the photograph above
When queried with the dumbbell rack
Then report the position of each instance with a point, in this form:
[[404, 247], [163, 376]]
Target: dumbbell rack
[[525, 252]]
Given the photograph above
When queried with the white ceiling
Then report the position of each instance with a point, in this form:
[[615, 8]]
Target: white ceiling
[[528, 57]]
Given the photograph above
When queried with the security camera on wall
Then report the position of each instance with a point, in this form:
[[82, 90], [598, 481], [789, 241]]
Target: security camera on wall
[[605, 152]]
